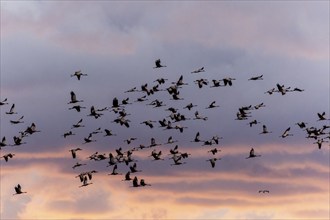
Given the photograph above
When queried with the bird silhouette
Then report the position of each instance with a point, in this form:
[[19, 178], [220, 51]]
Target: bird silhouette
[[252, 154], [158, 64], [18, 190], [78, 74]]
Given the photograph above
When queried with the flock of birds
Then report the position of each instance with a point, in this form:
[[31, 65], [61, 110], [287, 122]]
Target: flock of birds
[[173, 117]]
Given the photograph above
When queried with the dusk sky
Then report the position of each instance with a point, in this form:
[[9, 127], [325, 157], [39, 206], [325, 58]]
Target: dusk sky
[[116, 44]]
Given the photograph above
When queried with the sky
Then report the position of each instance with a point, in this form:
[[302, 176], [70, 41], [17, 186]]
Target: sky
[[116, 44]]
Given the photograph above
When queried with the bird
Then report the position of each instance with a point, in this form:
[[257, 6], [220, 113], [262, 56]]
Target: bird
[[18, 190], [228, 81], [264, 191], [297, 90], [264, 130], [282, 89], [212, 105], [201, 82], [89, 139], [216, 83], [94, 113], [174, 150], [108, 133], [127, 176], [85, 182], [177, 160], [78, 74], [301, 124], [256, 78], [322, 116], [74, 98], [153, 143], [18, 141], [131, 90], [7, 156], [198, 116], [77, 108], [197, 138], [270, 91], [3, 142], [286, 133], [214, 151], [148, 123], [254, 122], [78, 165], [114, 170], [259, 106], [252, 154], [135, 182], [78, 124], [133, 168], [18, 121], [160, 80], [31, 129], [156, 155], [4, 102], [213, 160], [319, 142], [158, 64], [189, 106], [199, 70], [12, 110], [73, 152], [142, 183], [129, 140], [69, 133], [170, 140]]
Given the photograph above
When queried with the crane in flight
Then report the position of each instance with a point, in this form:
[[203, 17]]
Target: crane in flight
[[18, 190], [256, 77], [199, 70], [158, 64], [78, 74], [252, 154]]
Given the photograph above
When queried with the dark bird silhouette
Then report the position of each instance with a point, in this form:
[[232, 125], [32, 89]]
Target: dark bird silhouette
[[78, 74], [228, 81], [263, 191], [286, 133], [322, 116], [254, 122], [77, 108], [256, 78], [158, 64], [78, 165], [319, 142], [18, 190], [252, 154], [18, 121], [265, 130], [301, 124], [214, 151], [73, 152], [108, 133], [78, 124], [3, 142], [212, 105], [213, 160], [7, 156], [114, 170], [85, 182], [74, 98], [199, 70], [69, 133], [189, 106], [4, 102], [12, 110]]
